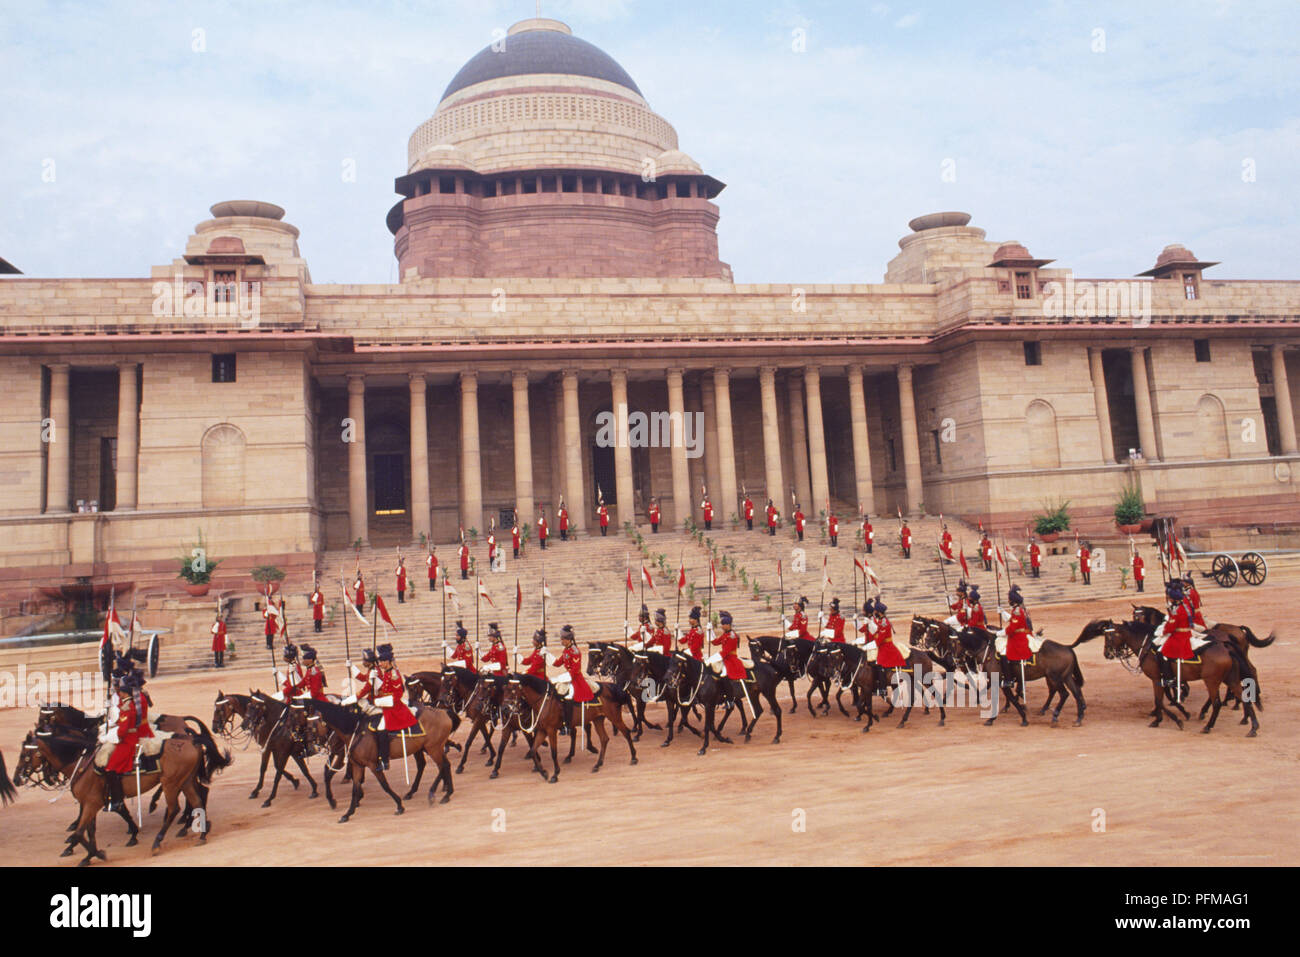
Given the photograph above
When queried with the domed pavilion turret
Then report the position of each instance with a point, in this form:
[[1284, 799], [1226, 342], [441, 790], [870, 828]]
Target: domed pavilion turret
[[544, 159]]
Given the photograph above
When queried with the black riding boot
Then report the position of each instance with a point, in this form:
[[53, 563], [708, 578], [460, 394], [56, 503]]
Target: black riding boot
[[116, 802], [567, 727], [1166, 671], [381, 742]]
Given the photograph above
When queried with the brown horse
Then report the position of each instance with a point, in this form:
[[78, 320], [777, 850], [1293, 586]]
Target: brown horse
[[361, 750], [1216, 664], [270, 723], [540, 712], [462, 690]]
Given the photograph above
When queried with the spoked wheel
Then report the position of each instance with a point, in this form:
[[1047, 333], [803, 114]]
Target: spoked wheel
[[1253, 568], [1224, 570]]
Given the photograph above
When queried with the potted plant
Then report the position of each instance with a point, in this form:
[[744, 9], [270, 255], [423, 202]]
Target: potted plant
[[197, 567], [1129, 510], [1053, 520], [269, 577]]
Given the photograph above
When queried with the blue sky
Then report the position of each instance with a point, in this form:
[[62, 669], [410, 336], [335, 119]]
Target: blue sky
[[1095, 149]]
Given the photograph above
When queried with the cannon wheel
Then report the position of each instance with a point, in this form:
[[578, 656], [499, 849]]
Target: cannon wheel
[[153, 655], [1224, 570], [1253, 568]]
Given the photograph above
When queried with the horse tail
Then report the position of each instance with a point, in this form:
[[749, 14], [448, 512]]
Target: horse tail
[[7, 791], [1246, 670], [1078, 672], [214, 759], [1259, 642]]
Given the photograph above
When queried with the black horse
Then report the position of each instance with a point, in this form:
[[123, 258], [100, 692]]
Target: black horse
[[650, 674], [613, 663], [271, 724]]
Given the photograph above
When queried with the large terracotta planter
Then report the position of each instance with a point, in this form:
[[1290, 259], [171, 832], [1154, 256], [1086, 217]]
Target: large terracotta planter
[[1129, 529], [197, 590], [263, 586], [1050, 536]]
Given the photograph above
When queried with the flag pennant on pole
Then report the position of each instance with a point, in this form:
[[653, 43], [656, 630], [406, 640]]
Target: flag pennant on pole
[[546, 589], [383, 612], [961, 557], [869, 571], [449, 590], [630, 586], [681, 578], [713, 574], [826, 576], [858, 565], [1001, 561], [483, 593], [519, 596], [646, 577], [347, 600]]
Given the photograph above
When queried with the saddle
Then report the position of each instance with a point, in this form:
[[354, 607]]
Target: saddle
[[414, 737]]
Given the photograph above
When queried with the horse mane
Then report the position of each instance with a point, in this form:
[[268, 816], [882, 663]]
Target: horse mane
[[534, 683], [335, 715], [66, 745]]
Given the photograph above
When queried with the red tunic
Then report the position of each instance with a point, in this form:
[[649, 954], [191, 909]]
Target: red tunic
[[541, 529], [564, 519], [868, 533], [1035, 554], [498, 654], [317, 606], [663, 638], [514, 537], [975, 617], [708, 510], [432, 563], [603, 512], [1138, 568], [492, 548], [798, 521], [360, 600], [401, 578], [728, 643], [833, 526], [799, 623], [270, 620], [219, 636], [131, 727], [905, 536], [464, 654], [398, 717], [1085, 561], [694, 642], [654, 514], [836, 624], [571, 661], [293, 682], [1178, 626], [958, 608], [1018, 636], [464, 558], [888, 654], [536, 664], [945, 545], [771, 516], [315, 682], [749, 510], [986, 550]]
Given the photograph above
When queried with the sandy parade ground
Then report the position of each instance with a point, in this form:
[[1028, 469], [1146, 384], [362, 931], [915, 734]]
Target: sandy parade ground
[[1112, 792]]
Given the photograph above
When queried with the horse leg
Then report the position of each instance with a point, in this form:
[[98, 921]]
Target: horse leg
[[383, 783], [298, 759], [261, 774], [419, 773], [131, 828], [839, 701], [1213, 688], [555, 754], [671, 705], [173, 808], [464, 753], [812, 686], [358, 771], [88, 840], [794, 700], [599, 724], [776, 711]]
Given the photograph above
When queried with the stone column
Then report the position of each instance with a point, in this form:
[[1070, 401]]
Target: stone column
[[623, 486], [821, 486], [799, 444], [358, 507], [128, 436], [575, 488], [471, 482], [772, 440], [1101, 400], [525, 503], [682, 491], [420, 516], [726, 439], [1142, 399], [712, 477], [861, 442], [1282, 399], [911, 444], [59, 466]]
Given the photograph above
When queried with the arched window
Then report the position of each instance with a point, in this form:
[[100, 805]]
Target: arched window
[[1212, 427], [223, 466], [1040, 424]]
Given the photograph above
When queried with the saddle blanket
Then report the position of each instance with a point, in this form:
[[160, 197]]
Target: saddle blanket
[[1199, 641], [1000, 642]]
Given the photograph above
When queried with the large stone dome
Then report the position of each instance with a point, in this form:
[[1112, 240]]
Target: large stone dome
[[541, 99], [540, 46]]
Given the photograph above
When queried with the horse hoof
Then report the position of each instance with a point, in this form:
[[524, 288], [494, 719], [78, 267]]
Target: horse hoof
[[343, 819], [595, 769], [334, 805], [84, 862], [702, 751], [1206, 730], [1024, 723], [67, 851], [665, 744], [777, 739], [294, 782], [1154, 724], [567, 760], [1078, 722], [253, 795], [553, 778], [1252, 732], [313, 794], [634, 759], [132, 842], [400, 810], [866, 729], [460, 770], [445, 799], [266, 803], [988, 723], [941, 722]]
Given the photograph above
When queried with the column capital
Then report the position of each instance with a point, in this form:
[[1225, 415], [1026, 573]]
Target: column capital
[[519, 377], [812, 370], [767, 372], [60, 367], [127, 365], [676, 373], [416, 381], [618, 375], [568, 377], [468, 381], [721, 371], [904, 370], [356, 383]]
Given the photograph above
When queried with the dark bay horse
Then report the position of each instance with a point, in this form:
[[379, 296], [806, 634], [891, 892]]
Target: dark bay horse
[[649, 671], [1216, 664], [613, 663], [692, 683], [269, 723], [547, 712], [1239, 635]]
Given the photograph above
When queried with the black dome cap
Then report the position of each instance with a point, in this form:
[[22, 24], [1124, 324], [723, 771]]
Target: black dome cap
[[540, 51]]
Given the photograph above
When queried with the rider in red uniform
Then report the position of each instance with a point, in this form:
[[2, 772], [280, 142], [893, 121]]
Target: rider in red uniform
[[313, 674], [727, 643], [661, 636], [975, 610], [389, 696], [571, 661], [836, 622], [1018, 627], [536, 662], [888, 654], [496, 660], [293, 682], [1177, 629], [694, 638], [798, 620], [462, 656], [132, 725]]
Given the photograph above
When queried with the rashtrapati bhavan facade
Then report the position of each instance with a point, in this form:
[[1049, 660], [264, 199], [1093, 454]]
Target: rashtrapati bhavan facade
[[558, 262]]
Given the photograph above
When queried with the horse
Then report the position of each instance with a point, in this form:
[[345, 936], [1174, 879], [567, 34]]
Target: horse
[[613, 662], [1239, 635], [765, 681], [510, 724], [268, 721], [692, 683], [456, 687], [181, 765], [649, 670], [548, 711], [361, 750], [48, 759], [1217, 663], [860, 676], [789, 658], [481, 708]]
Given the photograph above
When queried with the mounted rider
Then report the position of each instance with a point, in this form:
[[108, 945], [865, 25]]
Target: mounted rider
[[389, 695], [1172, 641], [536, 662], [313, 674], [975, 609], [640, 635], [462, 656], [797, 626], [957, 606], [496, 660], [131, 726], [694, 637], [834, 623], [571, 686], [661, 639]]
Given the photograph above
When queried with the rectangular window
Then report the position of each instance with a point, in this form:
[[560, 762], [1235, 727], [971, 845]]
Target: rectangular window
[[224, 285], [938, 451], [1202, 349], [1033, 353], [893, 461], [223, 368], [390, 484], [1024, 287], [1189, 285]]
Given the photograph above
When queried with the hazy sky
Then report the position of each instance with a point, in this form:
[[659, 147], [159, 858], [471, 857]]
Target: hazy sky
[[1095, 133]]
